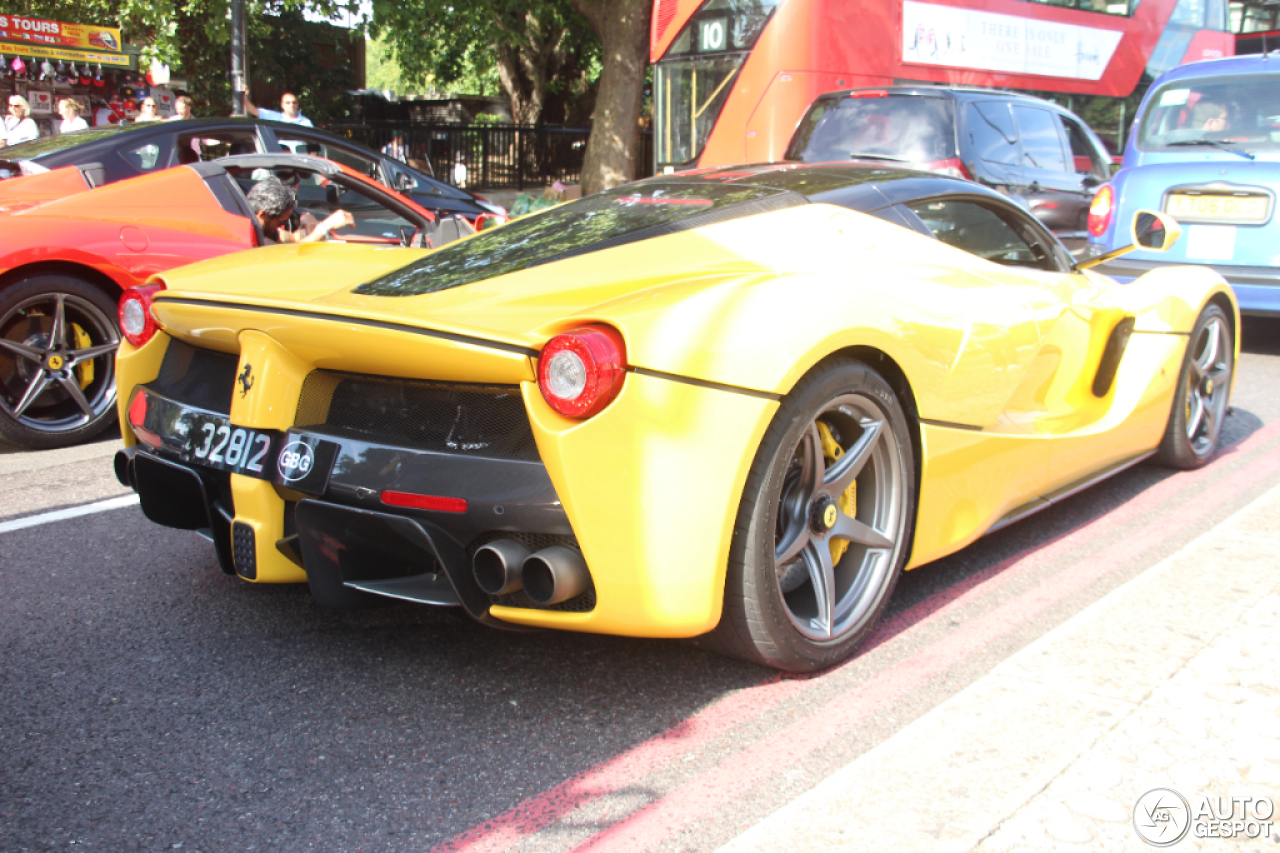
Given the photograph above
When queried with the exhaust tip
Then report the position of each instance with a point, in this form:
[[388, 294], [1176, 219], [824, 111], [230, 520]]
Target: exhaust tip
[[496, 566], [554, 575]]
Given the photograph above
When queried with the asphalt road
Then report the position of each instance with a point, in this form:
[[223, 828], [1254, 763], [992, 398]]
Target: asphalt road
[[150, 702]]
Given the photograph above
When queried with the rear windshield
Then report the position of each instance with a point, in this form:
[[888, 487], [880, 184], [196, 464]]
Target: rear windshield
[[910, 128], [1239, 112], [623, 215], [53, 144]]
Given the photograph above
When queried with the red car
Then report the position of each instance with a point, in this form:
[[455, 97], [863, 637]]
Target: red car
[[70, 249]]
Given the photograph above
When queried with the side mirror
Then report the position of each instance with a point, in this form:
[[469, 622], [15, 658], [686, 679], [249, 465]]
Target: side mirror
[[404, 183], [1155, 232], [1151, 230]]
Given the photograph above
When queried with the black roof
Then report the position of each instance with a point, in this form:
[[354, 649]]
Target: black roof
[[859, 185]]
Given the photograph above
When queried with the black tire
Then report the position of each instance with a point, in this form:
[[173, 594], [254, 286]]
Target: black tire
[[1201, 397], [55, 393], [776, 611]]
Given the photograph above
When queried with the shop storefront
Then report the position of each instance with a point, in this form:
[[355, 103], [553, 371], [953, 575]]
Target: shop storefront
[[46, 61]]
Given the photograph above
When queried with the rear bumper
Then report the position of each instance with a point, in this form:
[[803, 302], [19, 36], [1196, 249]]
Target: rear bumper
[[1257, 288], [343, 528]]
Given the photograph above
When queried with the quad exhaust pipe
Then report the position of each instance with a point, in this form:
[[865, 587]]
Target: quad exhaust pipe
[[550, 576]]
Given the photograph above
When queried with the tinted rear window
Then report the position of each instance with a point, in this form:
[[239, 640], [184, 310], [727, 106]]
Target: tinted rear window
[[622, 215], [1041, 139], [902, 127], [991, 132]]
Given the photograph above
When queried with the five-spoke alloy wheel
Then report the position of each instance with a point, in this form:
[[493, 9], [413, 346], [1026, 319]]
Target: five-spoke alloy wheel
[[58, 339], [1204, 387], [824, 526]]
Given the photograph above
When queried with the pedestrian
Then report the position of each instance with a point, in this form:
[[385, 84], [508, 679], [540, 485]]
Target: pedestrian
[[147, 112], [19, 126], [289, 110], [182, 108], [397, 149], [70, 109], [273, 204]]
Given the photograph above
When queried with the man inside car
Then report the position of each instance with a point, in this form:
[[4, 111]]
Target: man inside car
[[273, 205]]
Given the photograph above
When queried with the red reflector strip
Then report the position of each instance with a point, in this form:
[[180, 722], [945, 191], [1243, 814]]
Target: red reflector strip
[[138, 409], [138, 417], [701, 202], [432, 502]]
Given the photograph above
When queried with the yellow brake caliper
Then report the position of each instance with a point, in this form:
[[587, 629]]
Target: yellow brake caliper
[[848, 501], [84, 370]]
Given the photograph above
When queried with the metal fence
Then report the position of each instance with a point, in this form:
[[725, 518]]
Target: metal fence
[[491, 156]]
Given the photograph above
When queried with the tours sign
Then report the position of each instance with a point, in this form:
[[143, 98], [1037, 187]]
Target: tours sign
[[43, 39]]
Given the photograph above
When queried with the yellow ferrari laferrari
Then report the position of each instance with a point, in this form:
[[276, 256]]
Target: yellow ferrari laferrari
[[734, 404]]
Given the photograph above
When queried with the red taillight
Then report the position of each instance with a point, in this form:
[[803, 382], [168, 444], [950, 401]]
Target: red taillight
[[869, 93], [434, 502], [1101, 211], [581, 370], [953, 167], [137, 324]]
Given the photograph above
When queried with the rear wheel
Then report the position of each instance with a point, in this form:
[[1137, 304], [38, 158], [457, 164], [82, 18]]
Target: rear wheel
[[823, 530], [1200, 400], [58, 339]]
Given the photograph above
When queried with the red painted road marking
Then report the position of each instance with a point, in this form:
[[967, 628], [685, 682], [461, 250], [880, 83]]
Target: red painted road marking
[[542, 810], [995, 576], [700, 797]]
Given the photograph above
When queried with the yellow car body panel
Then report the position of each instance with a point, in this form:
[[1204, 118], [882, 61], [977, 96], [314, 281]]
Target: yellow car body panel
[[719, 323]]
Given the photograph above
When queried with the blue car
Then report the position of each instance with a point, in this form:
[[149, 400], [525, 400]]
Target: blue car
[[1205, 149]]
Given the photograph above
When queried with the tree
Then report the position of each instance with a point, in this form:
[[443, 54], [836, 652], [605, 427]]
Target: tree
[[538, 45], [623, 29]]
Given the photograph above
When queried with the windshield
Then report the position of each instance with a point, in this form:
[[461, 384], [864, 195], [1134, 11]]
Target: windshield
[[1237, 112], [622, 215], [53, 144], [909, 128]]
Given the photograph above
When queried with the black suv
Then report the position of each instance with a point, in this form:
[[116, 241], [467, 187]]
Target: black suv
[[1023, 146]]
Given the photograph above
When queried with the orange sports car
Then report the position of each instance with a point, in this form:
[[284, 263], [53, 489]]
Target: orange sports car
[[71, 248]]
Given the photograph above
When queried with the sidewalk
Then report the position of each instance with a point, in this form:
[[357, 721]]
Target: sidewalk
[[1171, 681]]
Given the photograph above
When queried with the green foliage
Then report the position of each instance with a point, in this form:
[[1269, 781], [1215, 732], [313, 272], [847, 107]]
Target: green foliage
[[541, 52]]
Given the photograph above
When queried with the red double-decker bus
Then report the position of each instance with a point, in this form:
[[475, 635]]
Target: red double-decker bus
[[733, 77]]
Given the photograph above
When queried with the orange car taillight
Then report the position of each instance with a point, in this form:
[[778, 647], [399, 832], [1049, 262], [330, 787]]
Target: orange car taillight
[[137, 323], [1101, 210], [581, 370]]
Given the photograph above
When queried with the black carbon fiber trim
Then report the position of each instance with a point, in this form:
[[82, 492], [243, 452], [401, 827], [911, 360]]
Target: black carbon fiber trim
[[444, 417], [197, 377], [950, 425], [702, 383]]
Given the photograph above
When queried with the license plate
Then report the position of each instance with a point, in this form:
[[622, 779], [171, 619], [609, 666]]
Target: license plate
[[1220, 208], [214, 442]]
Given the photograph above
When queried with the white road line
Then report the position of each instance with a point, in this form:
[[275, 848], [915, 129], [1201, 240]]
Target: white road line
[[70, 512]]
